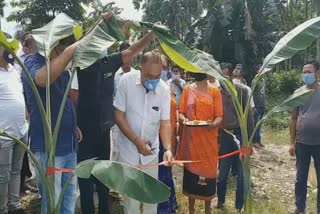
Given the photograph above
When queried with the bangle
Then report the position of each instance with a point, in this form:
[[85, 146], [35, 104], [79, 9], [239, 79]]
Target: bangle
[[165, 150]]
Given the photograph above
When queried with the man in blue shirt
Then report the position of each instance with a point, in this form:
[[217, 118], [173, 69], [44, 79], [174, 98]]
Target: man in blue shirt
[[69, 134], [177, 83]]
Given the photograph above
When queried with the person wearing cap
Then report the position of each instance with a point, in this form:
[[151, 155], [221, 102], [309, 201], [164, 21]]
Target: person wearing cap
[[13, 122]]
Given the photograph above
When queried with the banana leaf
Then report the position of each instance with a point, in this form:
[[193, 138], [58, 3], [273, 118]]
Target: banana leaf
[[296, 40], [125, 179], [48, 36], [97, 41], [11, 43], [294, 101], [181, 54]]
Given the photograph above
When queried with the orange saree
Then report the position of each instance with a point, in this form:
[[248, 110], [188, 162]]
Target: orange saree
[[200, 143]]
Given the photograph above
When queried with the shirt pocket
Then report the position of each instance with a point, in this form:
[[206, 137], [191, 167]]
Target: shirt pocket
[[154, 115]]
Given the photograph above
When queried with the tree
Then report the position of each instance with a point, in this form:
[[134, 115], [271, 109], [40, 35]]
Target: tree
[[98, 9], [2, 5], [178, 15], [36, 13]]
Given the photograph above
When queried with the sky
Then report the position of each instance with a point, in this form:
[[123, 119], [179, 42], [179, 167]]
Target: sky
[[128, 13]]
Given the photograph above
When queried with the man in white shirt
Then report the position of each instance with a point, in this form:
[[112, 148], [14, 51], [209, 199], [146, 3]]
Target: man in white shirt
[[13, 122], [238, 79], [142, 111], [125, 68]]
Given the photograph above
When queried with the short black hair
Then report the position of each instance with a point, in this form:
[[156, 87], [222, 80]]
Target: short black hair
[[175, 66], [227, 65], [124, 46], [315, 64], [67, 41]]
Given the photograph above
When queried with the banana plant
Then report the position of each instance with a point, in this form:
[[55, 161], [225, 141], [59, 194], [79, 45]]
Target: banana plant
[[296, 40], [125, 179]]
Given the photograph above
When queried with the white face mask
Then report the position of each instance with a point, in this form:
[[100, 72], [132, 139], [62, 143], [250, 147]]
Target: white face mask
[[175, 76], [237, 81]]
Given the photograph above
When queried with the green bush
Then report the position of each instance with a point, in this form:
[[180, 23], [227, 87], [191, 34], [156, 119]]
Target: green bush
[[279, 86], [283, 83]]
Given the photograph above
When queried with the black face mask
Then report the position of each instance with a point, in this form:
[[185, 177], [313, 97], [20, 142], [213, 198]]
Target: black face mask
[[199, 77], [8, 57]]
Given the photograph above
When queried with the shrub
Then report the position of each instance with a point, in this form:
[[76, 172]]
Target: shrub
[[279, 86]]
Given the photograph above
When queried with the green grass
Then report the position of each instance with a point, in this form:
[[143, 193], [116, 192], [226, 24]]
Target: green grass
[[275, 136]]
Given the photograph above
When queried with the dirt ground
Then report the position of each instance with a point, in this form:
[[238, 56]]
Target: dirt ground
[[273, 176]]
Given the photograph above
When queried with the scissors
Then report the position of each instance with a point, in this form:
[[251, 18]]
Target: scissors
[[152, 149]]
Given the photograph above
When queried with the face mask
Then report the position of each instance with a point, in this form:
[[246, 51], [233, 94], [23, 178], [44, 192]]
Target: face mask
[[151, 85], [8, 57], [236, 81], [164, 75], [175, 76], [309, 78]]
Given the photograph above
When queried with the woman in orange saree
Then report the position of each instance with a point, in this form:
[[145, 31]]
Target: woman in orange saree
[[200, 101]]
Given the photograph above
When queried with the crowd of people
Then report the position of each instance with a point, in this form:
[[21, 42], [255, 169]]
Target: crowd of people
[[138, 117]]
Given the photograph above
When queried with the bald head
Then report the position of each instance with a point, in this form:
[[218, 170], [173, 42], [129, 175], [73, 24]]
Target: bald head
[[151, 65], [151, 57]]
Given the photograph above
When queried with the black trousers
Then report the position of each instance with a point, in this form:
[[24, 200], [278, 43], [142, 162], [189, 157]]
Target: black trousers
[[25, 170], [94, 145], [303, 155]]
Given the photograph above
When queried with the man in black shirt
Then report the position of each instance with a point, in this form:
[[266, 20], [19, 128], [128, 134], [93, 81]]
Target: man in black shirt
[[96, 117]]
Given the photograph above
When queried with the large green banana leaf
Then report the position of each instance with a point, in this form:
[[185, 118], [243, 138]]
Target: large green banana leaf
[[296, 40], [97, 41], [11, 43], [295, 100], [48, 36], [181, 54], [125, 179]]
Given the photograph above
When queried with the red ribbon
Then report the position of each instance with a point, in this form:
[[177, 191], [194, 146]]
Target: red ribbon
[[167, 163], [53, 170], [243, 151]]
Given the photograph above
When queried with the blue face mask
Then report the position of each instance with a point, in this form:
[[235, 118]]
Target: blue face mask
[[151, 85], [309, 78], [164, 75]]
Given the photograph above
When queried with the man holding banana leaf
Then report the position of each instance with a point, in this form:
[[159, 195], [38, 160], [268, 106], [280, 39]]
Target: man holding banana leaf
[[69, 135], [96, 116]]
